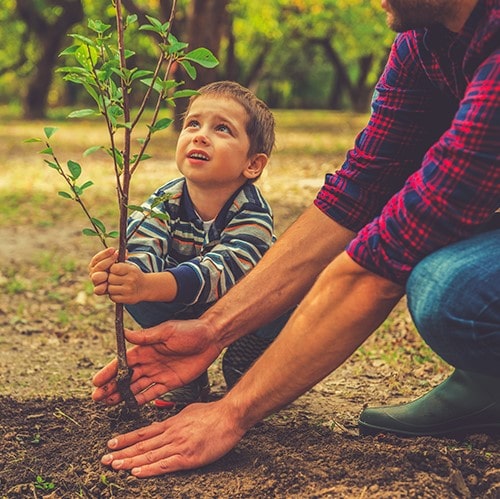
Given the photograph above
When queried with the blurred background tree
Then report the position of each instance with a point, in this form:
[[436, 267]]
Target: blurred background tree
[[293, 53]]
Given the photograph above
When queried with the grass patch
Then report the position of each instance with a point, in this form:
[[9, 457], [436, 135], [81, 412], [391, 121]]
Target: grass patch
[[309, 143]]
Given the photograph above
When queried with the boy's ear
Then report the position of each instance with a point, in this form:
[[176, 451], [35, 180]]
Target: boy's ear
[[255, 166]]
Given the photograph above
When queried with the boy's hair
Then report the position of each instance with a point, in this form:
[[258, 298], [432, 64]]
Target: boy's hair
[[260, 123]]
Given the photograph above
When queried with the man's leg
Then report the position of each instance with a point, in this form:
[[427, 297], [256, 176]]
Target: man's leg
[[454, 299]]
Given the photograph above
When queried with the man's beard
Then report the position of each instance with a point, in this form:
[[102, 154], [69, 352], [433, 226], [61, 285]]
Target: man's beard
[[404, 15]]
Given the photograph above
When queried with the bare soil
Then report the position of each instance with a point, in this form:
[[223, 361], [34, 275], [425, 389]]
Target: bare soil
[[55, 335]]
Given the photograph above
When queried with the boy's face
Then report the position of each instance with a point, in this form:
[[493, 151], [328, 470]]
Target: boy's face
[[212, 148]]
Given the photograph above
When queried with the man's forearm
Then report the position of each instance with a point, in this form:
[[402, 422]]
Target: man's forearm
[[344, 307], [281, 279]]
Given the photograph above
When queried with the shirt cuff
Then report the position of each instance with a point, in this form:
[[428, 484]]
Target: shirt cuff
[[188, 283]]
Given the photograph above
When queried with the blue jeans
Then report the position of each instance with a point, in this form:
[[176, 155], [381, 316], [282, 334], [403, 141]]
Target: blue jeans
[[149, 314], [454, 300]]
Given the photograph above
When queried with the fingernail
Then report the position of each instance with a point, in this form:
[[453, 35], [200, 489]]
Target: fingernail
[[112, 443], [108, 458], [117, 463], [136, 471]]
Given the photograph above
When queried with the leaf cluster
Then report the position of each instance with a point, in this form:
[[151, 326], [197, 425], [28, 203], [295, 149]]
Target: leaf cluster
[[103, 66]]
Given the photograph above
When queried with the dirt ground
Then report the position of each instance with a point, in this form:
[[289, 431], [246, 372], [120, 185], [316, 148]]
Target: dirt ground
[[55, 335]]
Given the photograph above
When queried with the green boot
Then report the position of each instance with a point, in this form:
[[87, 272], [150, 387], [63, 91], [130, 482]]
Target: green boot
[[464, 403]]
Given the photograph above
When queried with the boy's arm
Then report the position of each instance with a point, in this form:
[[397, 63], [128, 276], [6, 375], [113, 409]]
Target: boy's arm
[[241, 245]]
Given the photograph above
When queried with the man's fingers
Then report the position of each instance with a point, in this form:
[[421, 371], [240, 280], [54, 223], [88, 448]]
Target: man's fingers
[[146, 452], [149, 336]]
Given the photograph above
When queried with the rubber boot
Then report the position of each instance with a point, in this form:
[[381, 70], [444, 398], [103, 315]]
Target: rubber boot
[[464, 403]]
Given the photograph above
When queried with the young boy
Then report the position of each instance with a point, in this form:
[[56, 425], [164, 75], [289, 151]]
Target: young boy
[[218, 226]]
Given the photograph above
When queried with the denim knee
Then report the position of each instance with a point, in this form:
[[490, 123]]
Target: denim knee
[[454, 299]]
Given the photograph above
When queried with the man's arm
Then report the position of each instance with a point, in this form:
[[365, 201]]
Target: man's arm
[[344, 306], [281, 279]]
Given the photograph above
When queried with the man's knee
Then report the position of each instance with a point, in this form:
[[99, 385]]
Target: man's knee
[[429, 293]]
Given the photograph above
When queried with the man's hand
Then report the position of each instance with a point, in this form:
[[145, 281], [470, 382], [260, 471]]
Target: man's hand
[[200, 434], [165, 357]]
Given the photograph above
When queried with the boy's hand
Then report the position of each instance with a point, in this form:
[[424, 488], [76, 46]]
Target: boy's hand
[[127, 283], [123, 282], [99, 269]]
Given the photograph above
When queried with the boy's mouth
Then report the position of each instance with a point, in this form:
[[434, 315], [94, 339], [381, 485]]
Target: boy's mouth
[[198, 155]]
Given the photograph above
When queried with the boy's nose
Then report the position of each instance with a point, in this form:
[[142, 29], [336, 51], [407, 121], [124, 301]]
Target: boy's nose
[[200, 137]]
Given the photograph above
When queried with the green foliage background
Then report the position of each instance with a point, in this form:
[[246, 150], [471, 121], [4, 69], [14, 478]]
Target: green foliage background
[[284, 34]]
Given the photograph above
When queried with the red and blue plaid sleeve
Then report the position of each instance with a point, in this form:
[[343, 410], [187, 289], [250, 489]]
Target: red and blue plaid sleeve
[[425, 171]]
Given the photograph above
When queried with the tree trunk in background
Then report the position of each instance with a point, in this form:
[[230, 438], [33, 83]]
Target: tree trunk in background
[[50, 37], [208, 22]]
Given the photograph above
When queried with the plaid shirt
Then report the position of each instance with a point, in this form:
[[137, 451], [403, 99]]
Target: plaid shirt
[[425, 172]]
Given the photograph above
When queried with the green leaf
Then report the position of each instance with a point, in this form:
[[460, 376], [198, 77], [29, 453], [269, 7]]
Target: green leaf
[[113, 234], [99, 224], [89, 232], [157, 85], [184, 93], [160, 199], [49, 131], [98, 26], [73, 70], [174, 45], [91, 150], [162, 124], [144, 156], [48, 150], [86, 185], [82, 113], [70, 50], [27, 141], [65, 195], [52, 164], [75, 169], [87, 57], [189, 68], [131, 19], [160, 216], [203, 57], [133, 207], [91, 91], [141, 73], [154, 22], [85, 40]]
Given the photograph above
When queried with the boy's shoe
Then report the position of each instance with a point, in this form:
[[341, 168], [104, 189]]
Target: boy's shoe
[[196, 391], [241, 355]]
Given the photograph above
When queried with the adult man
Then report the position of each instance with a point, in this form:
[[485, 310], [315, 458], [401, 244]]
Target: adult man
[[412, 204]]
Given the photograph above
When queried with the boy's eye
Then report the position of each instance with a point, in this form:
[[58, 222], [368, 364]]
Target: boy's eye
[[192, 123], [223, 128]]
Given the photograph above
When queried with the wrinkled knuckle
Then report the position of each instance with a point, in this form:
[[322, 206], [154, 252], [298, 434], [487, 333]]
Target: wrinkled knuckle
[[150, 457], [141, 447], [165, 464]]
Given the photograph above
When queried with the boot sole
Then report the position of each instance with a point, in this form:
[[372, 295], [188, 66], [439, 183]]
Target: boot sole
[[367, 429]]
